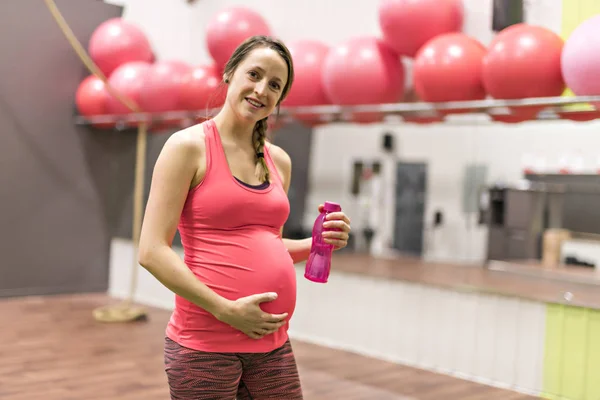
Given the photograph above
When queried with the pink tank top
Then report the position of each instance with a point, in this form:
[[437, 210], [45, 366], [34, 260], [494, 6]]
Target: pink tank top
[[230, 234]]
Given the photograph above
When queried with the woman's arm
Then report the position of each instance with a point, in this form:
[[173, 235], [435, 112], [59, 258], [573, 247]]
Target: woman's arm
[[173, 174], [299, 249]]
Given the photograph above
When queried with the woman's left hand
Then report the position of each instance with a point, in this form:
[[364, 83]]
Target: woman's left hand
[[341, 223]]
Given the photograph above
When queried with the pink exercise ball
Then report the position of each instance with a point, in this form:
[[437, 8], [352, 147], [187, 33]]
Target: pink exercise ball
[[116, 42], [307, 90], [91, 95], [202, 89], [128, 80], [363, 70], [162, 87], [524, 61], [448, 68], [309, 57], [580, 60], [91, 98], [229, 28], [408, 24]]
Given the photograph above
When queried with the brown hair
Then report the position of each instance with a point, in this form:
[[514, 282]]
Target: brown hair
[[260, 129]]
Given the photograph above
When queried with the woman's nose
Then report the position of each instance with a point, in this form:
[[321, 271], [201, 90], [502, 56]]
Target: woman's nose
[[260, 88]]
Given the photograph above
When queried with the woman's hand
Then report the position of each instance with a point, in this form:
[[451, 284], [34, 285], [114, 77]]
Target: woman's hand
[[341, 223], [245, 314]]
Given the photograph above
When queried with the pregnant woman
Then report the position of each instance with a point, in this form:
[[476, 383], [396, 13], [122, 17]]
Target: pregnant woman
[[225, 188]]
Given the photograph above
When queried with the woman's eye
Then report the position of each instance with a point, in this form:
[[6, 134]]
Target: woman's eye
[[253, 74], [275, 85]]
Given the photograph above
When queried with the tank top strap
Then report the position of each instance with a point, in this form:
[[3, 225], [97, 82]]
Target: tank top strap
[[271, 165], [215, 157]]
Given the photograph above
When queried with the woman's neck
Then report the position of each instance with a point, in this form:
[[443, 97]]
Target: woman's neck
[[230, 127]]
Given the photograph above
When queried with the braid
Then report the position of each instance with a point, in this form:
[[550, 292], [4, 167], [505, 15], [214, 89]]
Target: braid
[[258, 139]]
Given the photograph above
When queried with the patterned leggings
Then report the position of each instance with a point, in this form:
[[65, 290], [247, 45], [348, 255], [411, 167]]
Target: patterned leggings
[[197, 375]]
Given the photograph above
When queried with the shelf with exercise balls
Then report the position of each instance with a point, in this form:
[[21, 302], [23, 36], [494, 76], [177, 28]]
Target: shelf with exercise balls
[[422, 68]]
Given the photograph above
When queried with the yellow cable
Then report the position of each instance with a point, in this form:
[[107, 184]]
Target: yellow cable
[[125, 311]]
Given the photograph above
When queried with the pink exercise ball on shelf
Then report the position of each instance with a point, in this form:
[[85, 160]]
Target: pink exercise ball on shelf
[[580, 60], [229, 28], [363, 70], [524, 61], [408, 24], [307, 90], [448, 68], [128, 80], [308, 57], [162, 87], [91, 98], [202, 89], [91, 95], [116, 42]]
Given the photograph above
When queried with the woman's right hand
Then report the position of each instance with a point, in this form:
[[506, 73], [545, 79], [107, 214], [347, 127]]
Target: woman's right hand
[[245, 315]]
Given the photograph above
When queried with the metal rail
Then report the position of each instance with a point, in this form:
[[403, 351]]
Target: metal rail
[[552, 108]]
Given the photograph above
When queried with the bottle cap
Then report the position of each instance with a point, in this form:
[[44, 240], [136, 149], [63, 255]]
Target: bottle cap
[[332, 207]]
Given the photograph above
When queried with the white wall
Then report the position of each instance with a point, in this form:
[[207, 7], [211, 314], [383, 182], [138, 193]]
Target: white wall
[[177, 30]]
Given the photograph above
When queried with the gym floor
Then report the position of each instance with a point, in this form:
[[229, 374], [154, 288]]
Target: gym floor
[[55, 350]]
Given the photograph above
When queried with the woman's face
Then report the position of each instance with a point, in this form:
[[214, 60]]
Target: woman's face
[[257, 84]]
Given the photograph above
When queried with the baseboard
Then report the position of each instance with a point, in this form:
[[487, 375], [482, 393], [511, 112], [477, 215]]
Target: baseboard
[[53, 290]]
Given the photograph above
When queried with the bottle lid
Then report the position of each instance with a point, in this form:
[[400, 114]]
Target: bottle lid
[[332, 207]]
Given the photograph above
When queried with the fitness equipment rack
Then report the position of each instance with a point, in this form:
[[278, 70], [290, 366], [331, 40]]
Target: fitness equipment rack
[[553, 108]]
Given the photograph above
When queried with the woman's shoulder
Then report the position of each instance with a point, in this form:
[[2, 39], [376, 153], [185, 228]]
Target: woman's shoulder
[[282, 162], [190, 140], [280, 157]]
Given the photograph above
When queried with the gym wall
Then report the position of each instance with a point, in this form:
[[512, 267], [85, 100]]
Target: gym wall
[[63, 187]]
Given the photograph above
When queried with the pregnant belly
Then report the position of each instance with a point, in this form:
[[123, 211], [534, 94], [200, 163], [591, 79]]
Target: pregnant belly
[[256, 266]]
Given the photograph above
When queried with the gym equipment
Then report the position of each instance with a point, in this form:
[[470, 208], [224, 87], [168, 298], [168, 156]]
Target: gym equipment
[[524, 61], [90, 98], [363, 70], [229, 28], [201, 89], [125, 311], [116, 42], [409, 24], [163, 84], [309, 57], [308, 90], [448, 68], [580, 60], [422, 119], [129, 80]]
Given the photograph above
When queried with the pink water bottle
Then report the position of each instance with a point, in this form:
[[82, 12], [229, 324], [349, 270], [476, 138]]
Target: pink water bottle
[[319, 261]]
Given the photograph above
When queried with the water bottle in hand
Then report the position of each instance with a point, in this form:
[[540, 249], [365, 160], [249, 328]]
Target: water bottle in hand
[[319, 260]]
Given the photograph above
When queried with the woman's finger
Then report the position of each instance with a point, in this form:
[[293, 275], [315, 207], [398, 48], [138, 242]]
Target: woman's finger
[[340, 216], [254, 335], [335, 235], [272, 325], [337, 225], [336, 242]]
